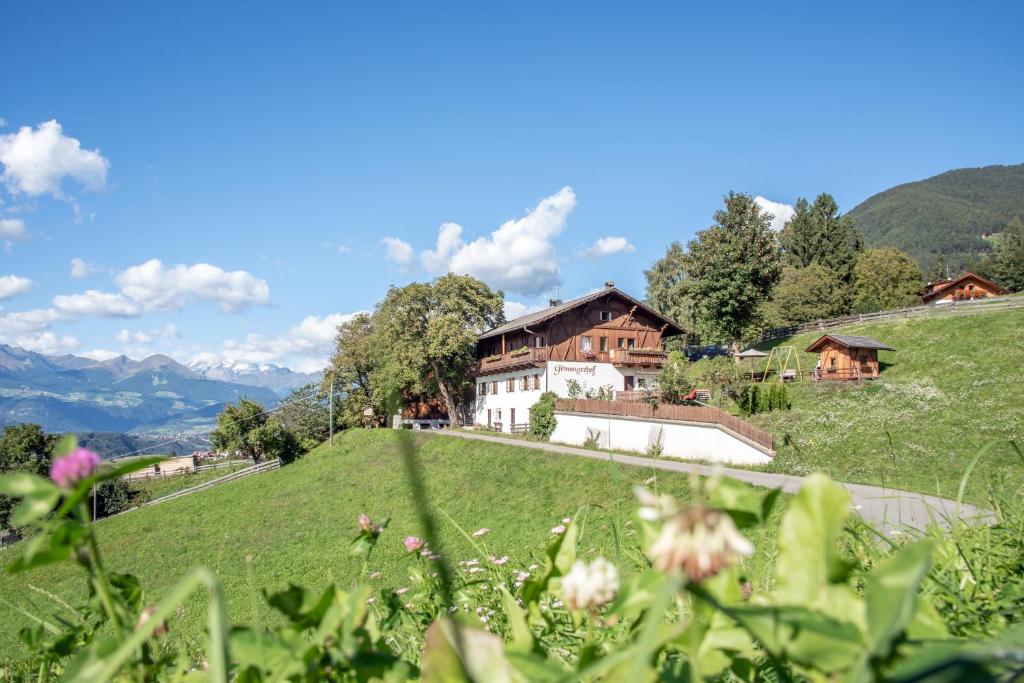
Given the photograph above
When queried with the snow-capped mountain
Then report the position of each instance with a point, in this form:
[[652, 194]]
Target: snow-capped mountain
[[278, 379]]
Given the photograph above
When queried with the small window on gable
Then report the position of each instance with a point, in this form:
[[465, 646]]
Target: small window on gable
[[606, 315]]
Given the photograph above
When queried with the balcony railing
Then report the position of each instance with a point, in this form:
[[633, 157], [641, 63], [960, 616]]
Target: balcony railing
[[638, 357], [512, 360]]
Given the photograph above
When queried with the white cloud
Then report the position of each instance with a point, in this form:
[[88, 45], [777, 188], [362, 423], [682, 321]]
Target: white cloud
[[781, 212], [46, 343], [3, 122], [344, 249], [37, 161], [305, 347], [12, 285], [606, 246], [97, 304], [397, 251], [12, 230], [99, 354], [133, 337], [514, 309], [519, 256], [158, 288], [20, 322], [80, 269]]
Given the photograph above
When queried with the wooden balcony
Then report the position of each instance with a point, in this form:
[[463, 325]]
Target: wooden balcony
[[514, 360], [639, 357]]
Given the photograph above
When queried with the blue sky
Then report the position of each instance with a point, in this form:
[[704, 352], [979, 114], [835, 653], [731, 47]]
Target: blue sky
[[310, 153]]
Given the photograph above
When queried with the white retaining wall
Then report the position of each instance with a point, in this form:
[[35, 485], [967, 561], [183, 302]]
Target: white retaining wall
[[682, 440]]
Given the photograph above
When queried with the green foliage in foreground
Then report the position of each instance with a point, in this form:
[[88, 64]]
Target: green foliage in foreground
[[951, 386], [841, 608], [294, 524], [542, 416]]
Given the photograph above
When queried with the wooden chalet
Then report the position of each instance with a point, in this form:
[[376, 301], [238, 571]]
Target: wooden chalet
[[846, 357], [967, 287], [606, 326]]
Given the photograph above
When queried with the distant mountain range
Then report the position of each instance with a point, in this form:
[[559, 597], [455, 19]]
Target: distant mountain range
[[945, 215], [274, 377], [154, 395]]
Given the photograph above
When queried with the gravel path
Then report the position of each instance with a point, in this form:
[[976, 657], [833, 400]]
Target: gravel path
[[887, 509]]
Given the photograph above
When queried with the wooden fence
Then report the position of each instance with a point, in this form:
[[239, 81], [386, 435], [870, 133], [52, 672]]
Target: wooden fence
[[220, 465], [953, 307], [638, 409]]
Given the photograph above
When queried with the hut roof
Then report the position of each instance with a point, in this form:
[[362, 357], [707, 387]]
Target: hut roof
[[849, 341], [751, 353]]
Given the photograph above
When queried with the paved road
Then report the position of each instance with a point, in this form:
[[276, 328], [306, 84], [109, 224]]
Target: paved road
[[885, 508]]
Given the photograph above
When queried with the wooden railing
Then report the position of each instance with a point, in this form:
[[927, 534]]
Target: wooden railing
[[513, 359], [954, 307], [638, 409], [638, 357]]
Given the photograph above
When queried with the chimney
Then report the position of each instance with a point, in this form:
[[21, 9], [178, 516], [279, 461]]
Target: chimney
[[609, 284], [554, 302]]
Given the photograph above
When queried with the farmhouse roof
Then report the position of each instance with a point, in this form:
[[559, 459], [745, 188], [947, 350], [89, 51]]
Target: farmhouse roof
[[558, 309], [940, 289], [849, 341]]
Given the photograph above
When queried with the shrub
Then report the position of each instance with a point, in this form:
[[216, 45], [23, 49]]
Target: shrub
[[542, 417], [593, 440], [114, 496]]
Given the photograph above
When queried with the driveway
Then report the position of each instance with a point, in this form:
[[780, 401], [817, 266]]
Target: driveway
[[885, 508]]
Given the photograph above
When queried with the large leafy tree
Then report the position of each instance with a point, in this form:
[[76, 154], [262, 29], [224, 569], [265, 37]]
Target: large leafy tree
[[426, 335], [250, 428], [306, 414], [352, 370], [23, 448], [666, 288], [804, 294], [732, 267], [1008, 264], [818, 234], [885, 278]]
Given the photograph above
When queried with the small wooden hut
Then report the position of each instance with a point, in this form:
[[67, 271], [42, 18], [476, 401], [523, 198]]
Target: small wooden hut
[[846, 357]]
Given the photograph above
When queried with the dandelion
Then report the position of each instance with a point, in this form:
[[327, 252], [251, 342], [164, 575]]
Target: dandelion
[[560, 529], [68, 470], [499, 560], [590, 587], [480, 532], [699, 541], [413, 543]]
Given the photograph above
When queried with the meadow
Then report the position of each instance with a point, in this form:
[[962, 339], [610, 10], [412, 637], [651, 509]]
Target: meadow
[[295, 525]]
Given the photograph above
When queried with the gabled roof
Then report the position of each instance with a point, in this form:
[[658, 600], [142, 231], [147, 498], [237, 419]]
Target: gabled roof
[[550, 312], [849, 341], [942, 289]]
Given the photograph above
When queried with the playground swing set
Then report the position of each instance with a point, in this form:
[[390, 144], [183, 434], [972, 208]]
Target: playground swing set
[[787, 362]]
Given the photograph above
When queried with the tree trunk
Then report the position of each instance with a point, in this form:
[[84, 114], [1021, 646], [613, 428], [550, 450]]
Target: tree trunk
[[453, 416]]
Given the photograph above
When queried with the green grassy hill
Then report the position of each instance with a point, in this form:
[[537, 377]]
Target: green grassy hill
[[952, 385], [945, 214], [296, 523]]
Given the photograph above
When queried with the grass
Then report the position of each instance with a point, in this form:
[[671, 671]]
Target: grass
[[953, 385], [295, 524]]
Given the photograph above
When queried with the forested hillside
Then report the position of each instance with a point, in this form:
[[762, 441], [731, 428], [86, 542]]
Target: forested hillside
[[944, 215]]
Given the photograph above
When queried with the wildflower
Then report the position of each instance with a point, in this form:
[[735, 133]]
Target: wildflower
[[566, 520], [480, 532], [654, 508], [68, 470], [147, 614], [499, 560], [364, 522], [375, 575], [699, 541], [533, 567], [590, 587], [522, 576], [401, 591], [556, 603], [413, 543], [649, 481], [470, 563], [560, 529], [370, 601], [474, 570]]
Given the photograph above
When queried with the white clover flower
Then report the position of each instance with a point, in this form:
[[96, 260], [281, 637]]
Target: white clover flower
[[699, 541], [401, 591], [566, 520], [560, 529], [652, 507], [499, 560], [589, 587]]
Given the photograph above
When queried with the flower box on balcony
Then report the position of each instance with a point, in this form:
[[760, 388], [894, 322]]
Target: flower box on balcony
[[524, 351]]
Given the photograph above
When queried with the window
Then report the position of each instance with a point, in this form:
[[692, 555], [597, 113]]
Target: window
[[524, 383], [497, 414], [606, 315], [482, 389], [539, 342], [641, 383], [603, 343], [536, 381], [626, 342], [494, 387], [586, 343], [510, 385]]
